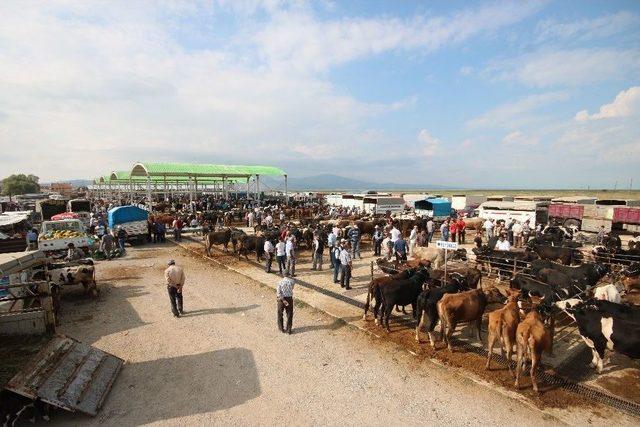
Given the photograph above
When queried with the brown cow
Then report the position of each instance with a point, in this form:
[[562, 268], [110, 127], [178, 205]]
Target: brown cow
[[217, 238], [436, 256], [466, 306], [502, 325], [531, 339]]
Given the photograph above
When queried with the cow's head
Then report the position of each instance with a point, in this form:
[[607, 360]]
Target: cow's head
[[460, 254], [602, 270], [568, 305], [494, 295]]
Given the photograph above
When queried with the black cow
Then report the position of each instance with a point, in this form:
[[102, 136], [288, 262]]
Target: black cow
[[531, 287], [616, 256], [585, 276], [217, 238], [248, 244], [605, 326], [427, 305], [503, 261], [565, 255], [401, 292]]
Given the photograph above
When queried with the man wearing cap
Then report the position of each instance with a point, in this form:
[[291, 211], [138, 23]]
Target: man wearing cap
[[174, 278], [345, 265], [284, 295], [74, 253]]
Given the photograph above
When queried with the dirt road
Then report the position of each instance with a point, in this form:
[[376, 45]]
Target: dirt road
[[225, 361]]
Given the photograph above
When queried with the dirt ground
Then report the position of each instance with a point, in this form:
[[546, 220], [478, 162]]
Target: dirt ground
[[226, 363]]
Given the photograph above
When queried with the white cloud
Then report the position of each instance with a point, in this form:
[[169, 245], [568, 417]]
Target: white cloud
[[626, 103], [517, 138], [516, 114], [588, 29], [567, 67], [466, 70], [299, 41], [429, 144]]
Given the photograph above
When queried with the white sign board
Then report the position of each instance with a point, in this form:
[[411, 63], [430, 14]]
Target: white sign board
[[446, 245]]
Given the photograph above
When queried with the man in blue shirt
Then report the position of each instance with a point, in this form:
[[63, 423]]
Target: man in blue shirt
[[401, 248], [32, 239], [354, 236]]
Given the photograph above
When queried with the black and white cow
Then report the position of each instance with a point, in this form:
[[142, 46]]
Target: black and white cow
[[605, 325]]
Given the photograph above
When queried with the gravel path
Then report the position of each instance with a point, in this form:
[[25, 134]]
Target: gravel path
[[225, 361]]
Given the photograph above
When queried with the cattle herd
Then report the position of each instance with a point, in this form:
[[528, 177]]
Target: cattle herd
[[552, 274]]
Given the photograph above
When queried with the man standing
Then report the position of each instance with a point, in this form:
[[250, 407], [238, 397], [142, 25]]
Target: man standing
[[462, 230], [413, 239], [400, 248], [377, 241], [250, 219], [32, 239], [331, 242], [488, 227], [444, 231], [122, 237], [174, 278], [291, 257], [284, 295], [336, 250], [106, 245], [345, 266], [281, 254], [502, 244], [354, 237], [431, 227], [177, 229], [526, 232], [453, 229], [269, 249], [517, 234], [395, 234], [318, 251]]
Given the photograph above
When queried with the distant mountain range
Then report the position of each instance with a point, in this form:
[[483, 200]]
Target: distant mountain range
[[336, 182]]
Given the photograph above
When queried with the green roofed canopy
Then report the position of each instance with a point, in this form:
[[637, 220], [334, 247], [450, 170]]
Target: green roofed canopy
[[201, 170]]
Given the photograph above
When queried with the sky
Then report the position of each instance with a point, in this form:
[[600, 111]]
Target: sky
[[536, 94]]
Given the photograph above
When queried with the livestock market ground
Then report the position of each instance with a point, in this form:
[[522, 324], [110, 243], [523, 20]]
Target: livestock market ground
[[225, 362]]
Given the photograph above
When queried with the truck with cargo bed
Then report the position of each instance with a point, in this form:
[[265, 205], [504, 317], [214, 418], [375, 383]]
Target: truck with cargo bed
[[132, 219]]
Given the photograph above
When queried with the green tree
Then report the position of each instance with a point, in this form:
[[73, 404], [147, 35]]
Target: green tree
[[20, 184]]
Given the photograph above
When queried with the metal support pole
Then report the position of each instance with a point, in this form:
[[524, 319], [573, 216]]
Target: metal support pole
[[190, 191], [258, 188], [286, 191], [149, 198], [248, 196], [445, 265], [224, 187]]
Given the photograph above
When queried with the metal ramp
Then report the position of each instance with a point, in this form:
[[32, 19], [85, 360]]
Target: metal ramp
[[68, 374]]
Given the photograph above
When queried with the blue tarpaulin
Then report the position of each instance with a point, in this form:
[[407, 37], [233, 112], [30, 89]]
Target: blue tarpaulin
[[440, 207], [123, 214]]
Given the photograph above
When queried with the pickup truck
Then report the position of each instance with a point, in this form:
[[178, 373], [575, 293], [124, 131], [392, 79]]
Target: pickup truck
[[56, 235]]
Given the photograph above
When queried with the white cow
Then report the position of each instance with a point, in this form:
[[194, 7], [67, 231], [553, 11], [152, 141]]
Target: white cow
[[608, 292]]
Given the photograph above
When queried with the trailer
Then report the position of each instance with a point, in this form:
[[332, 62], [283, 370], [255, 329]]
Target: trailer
[[628, 217], [50, 207], [438, 209], [467, 201], [380, 205], [132, 219], [534, 212]]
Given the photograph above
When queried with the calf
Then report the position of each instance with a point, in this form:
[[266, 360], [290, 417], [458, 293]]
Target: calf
[[427, 305], [531, 340], [64, 275], [374, 290], [604, 325], [401, 292], [503, 324], [467, 306], [566, 256], [249, 244]]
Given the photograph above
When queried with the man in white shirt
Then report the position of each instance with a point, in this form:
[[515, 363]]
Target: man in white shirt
[[387, 247], [250, 217], [345, 265], [517, 234], [431, 227], [281, 254], [331, 242], [413, 239], [291, 257], [395, 234], [268, 220], [502, 244], [269, 249], [488, 227]]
